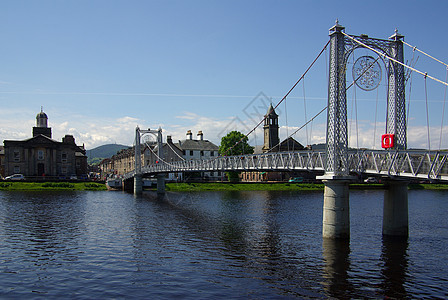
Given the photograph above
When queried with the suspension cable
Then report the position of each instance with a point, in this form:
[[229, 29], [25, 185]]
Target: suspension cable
[[376, 113], [413, 63], [415, 48], [427, 116], [301, 127], [304, 107], [287, 126], [323, 109], [284, 97], [356, 120], [394, 60], [443, 113], [175, 152]]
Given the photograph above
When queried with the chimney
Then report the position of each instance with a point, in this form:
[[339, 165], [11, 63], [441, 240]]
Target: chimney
[[68, 139], [169, 140], [190, 135], [200, 135]]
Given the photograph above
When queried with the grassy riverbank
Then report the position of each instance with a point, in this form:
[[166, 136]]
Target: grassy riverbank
[[193, 187], [52, 186]]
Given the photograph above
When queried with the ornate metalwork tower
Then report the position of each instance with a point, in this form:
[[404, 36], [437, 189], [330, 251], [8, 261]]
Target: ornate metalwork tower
[[341, 47], [337, 142], [396, 105]]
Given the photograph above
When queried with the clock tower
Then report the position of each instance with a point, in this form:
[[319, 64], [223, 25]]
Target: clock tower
[[270, 127]]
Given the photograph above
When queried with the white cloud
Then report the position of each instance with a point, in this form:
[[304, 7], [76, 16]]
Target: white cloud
[[121, 130]]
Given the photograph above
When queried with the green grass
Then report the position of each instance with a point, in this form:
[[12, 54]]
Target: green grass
[[432, 186], [186, 187], [51, 186]]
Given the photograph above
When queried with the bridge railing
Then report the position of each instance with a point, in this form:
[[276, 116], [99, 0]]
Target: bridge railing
[[401, 163]]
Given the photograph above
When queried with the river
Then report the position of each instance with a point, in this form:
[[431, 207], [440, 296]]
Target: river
[[216, 245]]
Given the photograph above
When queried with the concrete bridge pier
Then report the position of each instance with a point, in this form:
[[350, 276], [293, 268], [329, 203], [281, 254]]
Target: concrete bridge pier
[[138, 184], [395, 209], [336, 212], [160, 183]]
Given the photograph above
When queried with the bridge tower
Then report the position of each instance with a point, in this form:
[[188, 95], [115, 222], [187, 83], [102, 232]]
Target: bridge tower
[[336, 212], [138, 180]]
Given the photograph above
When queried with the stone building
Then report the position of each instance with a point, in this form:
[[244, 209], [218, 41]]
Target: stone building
[[272, 144], [192, 149], [41, 156], [187, 149]]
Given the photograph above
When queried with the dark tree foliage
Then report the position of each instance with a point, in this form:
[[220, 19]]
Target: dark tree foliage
[[230, 146]]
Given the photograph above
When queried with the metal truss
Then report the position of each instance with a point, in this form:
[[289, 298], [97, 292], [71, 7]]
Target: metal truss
[[401, 163], [396, 163]]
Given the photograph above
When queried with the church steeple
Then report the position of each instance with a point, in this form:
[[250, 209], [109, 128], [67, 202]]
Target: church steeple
[[270, 127]]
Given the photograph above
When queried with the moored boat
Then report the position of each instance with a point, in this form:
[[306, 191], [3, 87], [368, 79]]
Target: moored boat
[[114, 184]]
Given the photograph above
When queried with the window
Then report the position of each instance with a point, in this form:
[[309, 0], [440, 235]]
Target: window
[[40, 154], [64, 170], [16, 156], [16, 169], [64, 157], [183, 152], [191, 152], [202, 153], [212, 153]]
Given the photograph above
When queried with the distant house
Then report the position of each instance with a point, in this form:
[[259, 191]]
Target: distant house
[[199, 149], [187, 149], [41, 156]]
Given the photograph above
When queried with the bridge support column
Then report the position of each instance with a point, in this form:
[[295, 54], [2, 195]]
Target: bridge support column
[[160, 183], [395, 210], [336, 213], [138, 184]]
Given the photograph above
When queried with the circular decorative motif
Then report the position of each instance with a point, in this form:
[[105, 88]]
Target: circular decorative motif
[[367, 73]]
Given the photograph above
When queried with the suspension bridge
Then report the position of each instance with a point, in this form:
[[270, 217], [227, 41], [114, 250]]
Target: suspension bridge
[[338, 162]]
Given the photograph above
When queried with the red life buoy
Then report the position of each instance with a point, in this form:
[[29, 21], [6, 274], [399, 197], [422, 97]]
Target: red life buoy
[[387, 141]]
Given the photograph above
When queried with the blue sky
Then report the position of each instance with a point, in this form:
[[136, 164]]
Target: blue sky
[[99, 68]]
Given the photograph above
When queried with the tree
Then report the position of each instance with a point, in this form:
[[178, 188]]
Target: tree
[[235, 143]]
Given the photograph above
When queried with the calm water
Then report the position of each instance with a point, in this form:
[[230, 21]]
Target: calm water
[[215, 245]]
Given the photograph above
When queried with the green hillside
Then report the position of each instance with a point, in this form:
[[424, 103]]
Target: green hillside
[[97, 154]]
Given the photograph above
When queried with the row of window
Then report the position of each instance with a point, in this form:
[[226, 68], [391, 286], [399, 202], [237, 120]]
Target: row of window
[[201, 153], [40, 155], [64, 170]]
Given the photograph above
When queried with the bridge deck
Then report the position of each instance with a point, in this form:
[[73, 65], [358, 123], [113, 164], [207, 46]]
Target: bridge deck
[[397, 163]]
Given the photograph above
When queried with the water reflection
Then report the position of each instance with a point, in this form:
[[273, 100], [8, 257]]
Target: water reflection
[[213, 245], [395, 258], [243, 228], [41, 232], [50, 223], [336, 269]]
